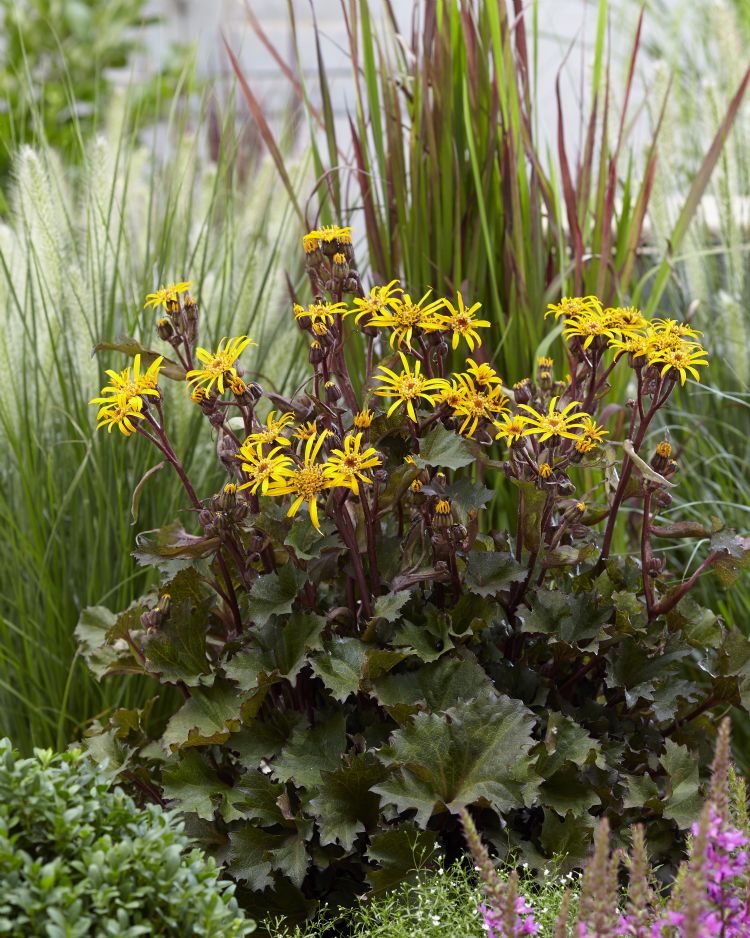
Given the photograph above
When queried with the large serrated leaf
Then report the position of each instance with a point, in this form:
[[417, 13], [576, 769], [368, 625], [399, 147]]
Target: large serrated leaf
[[683, 802], [177, 649], [273, 594], [209, 715], [277, 650], [478, 750], [193, 785], [311, 752], [254, 853], [96, 628], [444, 449], [345, 805], [339, 666], [488, 572]]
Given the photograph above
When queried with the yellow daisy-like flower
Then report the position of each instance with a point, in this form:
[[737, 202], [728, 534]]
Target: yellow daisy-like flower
[[324, 313], [591, 436], [588, 328], [348, 465], [575, 306], [374, 303], [132, 385], [167, 294], [625, 319], [407, 387], [672, 327], [510, 428], [482, 374], [120, 412], [555, 423], [305, 482], [634, 344], [461, 322], [272, 432], [682, 358], [402, 315], [305, 430], [261, 468], [311, 241], [363, 418], [218, 365], [451, 395], [329, 233], [478, 403]]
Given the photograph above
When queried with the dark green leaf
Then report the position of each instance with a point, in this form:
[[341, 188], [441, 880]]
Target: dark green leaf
[[177, 649], [311, 752], [476, 750], [274, 593], [399, 853], [345, 805], [340, 666], [488, 572], [683, 802], [278, 649], [210, 715], [444, 449], [193, 785]]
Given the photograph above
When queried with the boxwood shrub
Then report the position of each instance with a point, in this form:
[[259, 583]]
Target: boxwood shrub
[[79, 857]]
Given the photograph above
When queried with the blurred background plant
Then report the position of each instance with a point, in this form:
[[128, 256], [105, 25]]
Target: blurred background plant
[[59, 64], [77, 255]]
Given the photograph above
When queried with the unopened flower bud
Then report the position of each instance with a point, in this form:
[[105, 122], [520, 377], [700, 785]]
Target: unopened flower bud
[[316, 353], [333, 394], [339, 267], [522, 391], [165, 330]]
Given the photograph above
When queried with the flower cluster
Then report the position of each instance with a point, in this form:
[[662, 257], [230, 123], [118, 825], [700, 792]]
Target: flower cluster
[[662, 345]]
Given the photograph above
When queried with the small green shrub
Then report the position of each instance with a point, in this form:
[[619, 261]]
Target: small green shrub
[[78, 857]]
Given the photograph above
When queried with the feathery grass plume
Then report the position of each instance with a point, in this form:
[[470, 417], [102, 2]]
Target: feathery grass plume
[[738, 800], [719, 793], [598, 913], [641, 896], [76, 258]]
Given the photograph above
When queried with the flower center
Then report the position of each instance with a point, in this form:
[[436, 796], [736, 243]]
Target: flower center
[[410, 386], [310, 480]]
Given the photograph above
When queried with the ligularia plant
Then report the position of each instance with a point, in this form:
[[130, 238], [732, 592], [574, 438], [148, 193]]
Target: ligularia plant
[[358, 654]]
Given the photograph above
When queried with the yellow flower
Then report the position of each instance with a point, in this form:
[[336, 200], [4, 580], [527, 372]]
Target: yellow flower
[[478, 403], [403, 316], [273, 430], [261, 468], [555, 423], [198, 395], [237, 386], [545, 470], [451, 395], [591, 435], [167, 294], [329, 233], [363, 419], [305, 482], [305, 430], [574, 306], [375, 302], [625, 319], [461, 322], [311, 241], [664, 449], [581, 507], [443, 507], [407, 387], [672, 327], [319, 313], [510, 428], [482, 374], [587, 327], [132, 386], [683, 359], [348, 465], [545, 363], [635, 345], [230, 488], [119, 412], [416, 485], [219, 364]]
